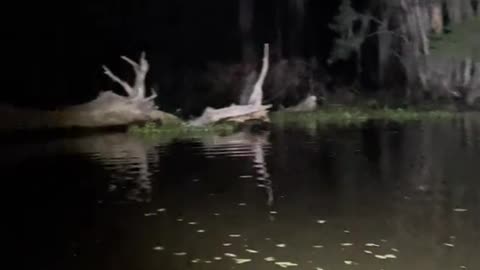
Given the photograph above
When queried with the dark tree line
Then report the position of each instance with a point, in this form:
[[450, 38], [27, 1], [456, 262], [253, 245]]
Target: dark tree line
[[401, 33], [206, 53]]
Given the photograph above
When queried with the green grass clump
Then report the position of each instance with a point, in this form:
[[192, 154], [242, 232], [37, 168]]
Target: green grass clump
[[181, 130], [343, 116]]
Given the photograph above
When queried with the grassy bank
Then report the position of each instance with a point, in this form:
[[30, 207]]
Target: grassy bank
[[345, 116], [181, 130], [334, 115]]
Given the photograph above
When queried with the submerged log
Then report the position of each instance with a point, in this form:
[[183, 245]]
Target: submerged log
[[252, 110], [108, 109]]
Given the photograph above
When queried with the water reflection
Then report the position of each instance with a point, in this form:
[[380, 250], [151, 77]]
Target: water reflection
[[379, 196], [245, 144]]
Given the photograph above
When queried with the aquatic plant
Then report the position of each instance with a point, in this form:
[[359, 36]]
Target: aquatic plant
[[181, 130]]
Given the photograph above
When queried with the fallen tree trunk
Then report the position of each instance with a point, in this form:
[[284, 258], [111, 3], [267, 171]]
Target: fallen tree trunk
[[108, 109], [253, 110], [233, 113]]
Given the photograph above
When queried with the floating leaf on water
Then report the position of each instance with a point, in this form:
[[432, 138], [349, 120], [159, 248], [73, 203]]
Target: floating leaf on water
[[179, 219], [192, 223], [321, 221], [395, 250], [180, 253], [383, 240], [273, 212], [195, 261], [449, 245], [286, 264], [208, 261], [346, 231], [318, 246], [227, 244], [346, 244], [386, 256], [371, 245], [240, 261], [268, 238], [200, 231], [281, 245], [246, 176], [251, 251], [158, 248], [460, 210], [269, 259], [368, 251], [318, 268], [217, 258], [150, 214], [161, 210], [347, 262], [463, 267], [235, 235], [231, 255]]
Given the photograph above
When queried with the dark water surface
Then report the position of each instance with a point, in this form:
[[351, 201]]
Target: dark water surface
[[372, 197]]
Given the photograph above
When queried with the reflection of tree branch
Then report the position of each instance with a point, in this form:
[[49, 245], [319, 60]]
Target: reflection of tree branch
[[261, 165], [256, 144], [124, 154]]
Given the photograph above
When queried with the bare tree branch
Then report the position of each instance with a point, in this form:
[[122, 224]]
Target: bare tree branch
[[137, 91], [257, 94], [130, 61], [141, 71], [116, 79], [153, 95]]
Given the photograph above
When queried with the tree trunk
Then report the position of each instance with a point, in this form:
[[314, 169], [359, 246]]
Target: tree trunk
[[474, 92], [253, 110], [454, 8]]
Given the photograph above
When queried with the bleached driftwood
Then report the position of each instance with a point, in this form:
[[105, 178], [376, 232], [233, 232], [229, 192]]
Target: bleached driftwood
[[253, 110], [257, 94], [307, 105], [108, 109]]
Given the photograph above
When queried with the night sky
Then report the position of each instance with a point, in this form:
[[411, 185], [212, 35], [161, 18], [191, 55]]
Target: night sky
[[54, 52]]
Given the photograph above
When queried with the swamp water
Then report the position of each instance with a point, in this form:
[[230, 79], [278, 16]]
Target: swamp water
[[376, 196]]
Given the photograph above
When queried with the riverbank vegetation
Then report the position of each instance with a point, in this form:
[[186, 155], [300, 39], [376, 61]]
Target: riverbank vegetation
[[328, 115], [182, 130], [398, 52], [340, 115]]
